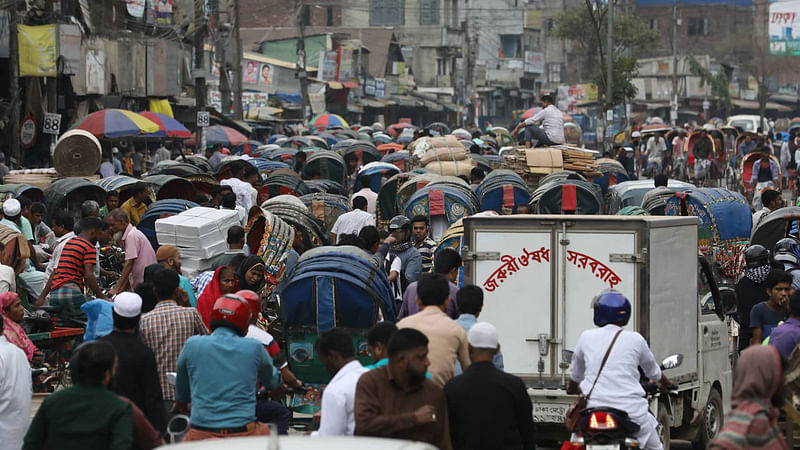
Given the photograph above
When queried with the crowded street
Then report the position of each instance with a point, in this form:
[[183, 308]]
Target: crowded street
[[386, 225]]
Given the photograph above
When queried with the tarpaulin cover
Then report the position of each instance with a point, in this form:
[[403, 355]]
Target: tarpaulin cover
[[547, 198], [339, 286], [726, 214], [502, 189]]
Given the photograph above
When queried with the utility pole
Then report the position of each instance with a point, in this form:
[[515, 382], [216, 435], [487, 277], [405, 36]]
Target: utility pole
[[610, 68], [13, 75], [238, 113], [301, 58], [219, 57], [674, 108], [199, 67]]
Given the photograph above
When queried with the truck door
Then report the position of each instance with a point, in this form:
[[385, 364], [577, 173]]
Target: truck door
[[513, 268], [591, 261], [713, 332]]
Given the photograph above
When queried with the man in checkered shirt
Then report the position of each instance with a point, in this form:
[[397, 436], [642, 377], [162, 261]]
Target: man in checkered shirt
[[424, 244], [166, 328]]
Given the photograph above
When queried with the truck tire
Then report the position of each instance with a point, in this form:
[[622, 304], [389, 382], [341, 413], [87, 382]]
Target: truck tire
[[663, 424], [711, 422]]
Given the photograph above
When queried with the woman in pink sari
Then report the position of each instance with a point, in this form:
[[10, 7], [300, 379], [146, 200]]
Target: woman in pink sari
[[13, 313]]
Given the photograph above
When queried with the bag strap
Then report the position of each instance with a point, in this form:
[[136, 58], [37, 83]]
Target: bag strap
[[603, 364]]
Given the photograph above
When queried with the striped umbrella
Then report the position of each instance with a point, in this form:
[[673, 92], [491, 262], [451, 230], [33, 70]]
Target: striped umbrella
[[168, 127], [114, 123], [219, 134], [326, 120]]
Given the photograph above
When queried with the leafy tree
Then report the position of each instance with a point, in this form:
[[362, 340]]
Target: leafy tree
[[587, 26], [719, 83]]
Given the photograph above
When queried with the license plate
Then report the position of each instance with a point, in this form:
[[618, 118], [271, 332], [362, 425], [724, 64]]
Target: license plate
[[602, 447], [550, 412]]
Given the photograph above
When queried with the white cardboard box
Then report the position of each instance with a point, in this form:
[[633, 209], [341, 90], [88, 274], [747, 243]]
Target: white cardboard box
[[196, 229]]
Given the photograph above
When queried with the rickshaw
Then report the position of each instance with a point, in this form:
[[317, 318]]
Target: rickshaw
[[282, 182], [724, 224], [327, 165], [689, 144], [331, 287], [32, 193], [326, 207], [777, 225], [548, 198], [399, 158], [443, 204], [503, 191], [203, 183], [746, 173], [502, 136], [312, 230], [612, 171], [120, 184], [69, 193], [378, 172], [170, 187], [386, 207], [631, 193], [573, 134], [327, 186], [407, 188], [440, 128]]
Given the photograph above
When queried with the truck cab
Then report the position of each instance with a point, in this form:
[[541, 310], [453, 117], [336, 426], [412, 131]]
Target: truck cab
[[539, 275]]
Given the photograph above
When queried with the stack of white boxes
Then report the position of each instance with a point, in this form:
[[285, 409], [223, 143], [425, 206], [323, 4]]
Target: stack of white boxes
[[200, 234]]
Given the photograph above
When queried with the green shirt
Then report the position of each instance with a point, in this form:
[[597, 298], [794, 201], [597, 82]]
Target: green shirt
[[81, 418]]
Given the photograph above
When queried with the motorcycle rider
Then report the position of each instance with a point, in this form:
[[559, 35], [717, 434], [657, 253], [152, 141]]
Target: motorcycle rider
[[619, 384], [787, 254]]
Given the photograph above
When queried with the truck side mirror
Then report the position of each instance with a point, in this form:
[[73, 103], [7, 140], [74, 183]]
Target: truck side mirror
[[672, 361], [728, 300]]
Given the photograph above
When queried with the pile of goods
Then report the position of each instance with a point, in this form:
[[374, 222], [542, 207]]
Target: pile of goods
[[442, 155], [532, 164], [199, 233]]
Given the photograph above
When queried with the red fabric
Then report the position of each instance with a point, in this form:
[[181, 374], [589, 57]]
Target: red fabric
[[422, 184], [508, 196], [569, 198], [436, 203], [612, 179], [210, 295]]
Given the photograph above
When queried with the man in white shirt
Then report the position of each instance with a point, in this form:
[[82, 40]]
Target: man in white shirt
[[352, 222], [366, 192], [8, 279], [656, 149], [551, 131], [242, 189], [336, 352], [618, 385], [15, 394]]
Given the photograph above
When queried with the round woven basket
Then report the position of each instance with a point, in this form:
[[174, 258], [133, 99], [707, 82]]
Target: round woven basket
[[77, 154]]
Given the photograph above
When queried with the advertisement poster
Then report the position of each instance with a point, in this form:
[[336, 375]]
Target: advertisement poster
[[135, 8], [95, 72], [163, 12], [37, 51], [784, 28], [328, 65], [265, 75], [250, 75], [345, 64], [534, 62]]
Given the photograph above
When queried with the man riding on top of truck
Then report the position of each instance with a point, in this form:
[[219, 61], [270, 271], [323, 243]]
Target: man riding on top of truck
[[618, 385]]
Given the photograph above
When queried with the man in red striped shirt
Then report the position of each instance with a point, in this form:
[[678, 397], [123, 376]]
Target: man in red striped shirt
[[74, 272]]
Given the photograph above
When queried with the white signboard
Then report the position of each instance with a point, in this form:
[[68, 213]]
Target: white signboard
[[203, 119], [52, 123]]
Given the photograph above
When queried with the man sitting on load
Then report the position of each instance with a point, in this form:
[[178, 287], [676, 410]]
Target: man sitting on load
[[551, 131]]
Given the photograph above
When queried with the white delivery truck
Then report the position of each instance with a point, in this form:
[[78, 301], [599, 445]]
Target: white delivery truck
[[539, 275]]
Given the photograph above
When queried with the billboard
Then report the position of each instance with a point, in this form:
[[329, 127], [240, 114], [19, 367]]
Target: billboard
[[784, 28], [534, 62]]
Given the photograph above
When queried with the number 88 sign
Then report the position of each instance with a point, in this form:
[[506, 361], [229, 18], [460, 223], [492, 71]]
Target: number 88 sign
[[52, 123]]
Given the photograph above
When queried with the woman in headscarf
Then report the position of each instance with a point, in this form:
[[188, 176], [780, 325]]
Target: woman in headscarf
[[752, 423], [223, 282], [13, 312], [251, 274]]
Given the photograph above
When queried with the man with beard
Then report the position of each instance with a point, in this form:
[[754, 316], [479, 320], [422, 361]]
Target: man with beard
[[335, 350], [397, 401], [170, 257]]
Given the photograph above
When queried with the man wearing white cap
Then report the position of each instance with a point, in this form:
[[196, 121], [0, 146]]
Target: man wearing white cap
[[488, 408], [137, 375]]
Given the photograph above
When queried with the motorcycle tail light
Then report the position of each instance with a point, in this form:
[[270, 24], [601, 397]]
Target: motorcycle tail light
[[602, 421]]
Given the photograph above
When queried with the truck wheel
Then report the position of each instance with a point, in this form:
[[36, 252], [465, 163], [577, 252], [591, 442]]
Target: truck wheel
[[663, 426], [711, 422]]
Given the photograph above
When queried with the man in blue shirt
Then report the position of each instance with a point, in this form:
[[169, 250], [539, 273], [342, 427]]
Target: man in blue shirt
[[786, 336], [218, 373], [470, 303]]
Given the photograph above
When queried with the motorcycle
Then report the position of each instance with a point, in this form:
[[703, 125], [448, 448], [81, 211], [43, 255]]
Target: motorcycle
[[605, 428]]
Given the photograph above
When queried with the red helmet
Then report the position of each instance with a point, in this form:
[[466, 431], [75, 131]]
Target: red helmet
[[252, 299], [231, 311]]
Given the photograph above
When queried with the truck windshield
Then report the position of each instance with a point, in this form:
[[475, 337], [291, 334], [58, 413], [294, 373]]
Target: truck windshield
[[704, 296]]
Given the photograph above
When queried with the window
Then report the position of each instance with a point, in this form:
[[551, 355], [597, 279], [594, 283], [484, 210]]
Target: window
[[329, 20], [698, 26], [429, 12], [653, 23], [386, 12], [306, 15], [554, 73], [511, 45]]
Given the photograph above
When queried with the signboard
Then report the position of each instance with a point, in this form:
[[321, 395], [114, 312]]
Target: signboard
[[380, 88], [345, 72], [784, 28], [203, 119], [369, 87], [534, 62], [135, 8], [95, 71], [328, 65], [27, 131], [163, 12], [69, 48], [52, 123], [37, 51], [265, 73], [250, 75]]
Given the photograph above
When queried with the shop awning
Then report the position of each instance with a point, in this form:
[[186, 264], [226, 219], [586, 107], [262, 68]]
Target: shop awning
[[407, 101], [375, 102], [433, 106], [354, 108], [749, 104]]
